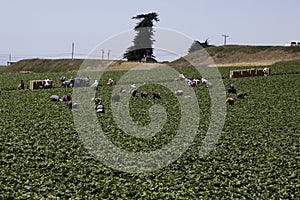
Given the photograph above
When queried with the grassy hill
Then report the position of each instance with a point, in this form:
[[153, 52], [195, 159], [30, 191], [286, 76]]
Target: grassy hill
[[235, 55], [43, 65], [231, 55]]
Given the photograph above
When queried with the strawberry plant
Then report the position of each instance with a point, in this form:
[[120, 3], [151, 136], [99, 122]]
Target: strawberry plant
[[256, 157]]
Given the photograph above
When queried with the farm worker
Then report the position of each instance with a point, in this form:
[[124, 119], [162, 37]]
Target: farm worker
[[197, 81], [144, 94], [21, 85], [77, 81], [64, 82], [122, 90], [178, 92], [203, 80], [67, 84], [208, 85], [181, 76], [188, 81], [54, 98], [66, 98], [132, 87], [231, 89], [193, 84], [110, 81], [133, 90], [71, 81], [95, 85], [100, 108], [72, 105], [62, 79], [47, 82], [96, 100], [230, 101], [87, 81], [241, 95], [265, 70], [156, 95]]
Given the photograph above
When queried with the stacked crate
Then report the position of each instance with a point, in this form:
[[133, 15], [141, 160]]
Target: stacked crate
[[38, 84], [253, 72], [260, 72], [235, 74], [249, 72]]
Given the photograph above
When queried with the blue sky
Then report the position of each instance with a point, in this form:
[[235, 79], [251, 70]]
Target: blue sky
[[35, 28]]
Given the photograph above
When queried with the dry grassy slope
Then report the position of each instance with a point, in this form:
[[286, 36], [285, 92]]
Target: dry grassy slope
[[268, 56], [68, 65], [246, 55], [44, 65], [221, 56]]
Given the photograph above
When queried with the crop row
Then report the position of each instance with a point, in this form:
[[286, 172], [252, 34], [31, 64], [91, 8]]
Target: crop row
[[256, 157]]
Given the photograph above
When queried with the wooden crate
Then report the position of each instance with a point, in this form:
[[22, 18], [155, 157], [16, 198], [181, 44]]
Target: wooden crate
[[244, 73], [253, 72], [260, 72], [235, 74], [249, 72], [39, 84]]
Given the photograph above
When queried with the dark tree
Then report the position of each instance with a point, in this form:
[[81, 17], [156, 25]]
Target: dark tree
[[198, 46], [142, 43]]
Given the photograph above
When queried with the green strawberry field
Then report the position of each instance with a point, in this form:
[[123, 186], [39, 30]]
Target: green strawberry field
[[256, 157]]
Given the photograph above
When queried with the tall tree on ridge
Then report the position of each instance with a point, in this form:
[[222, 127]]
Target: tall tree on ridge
[[142, 42], [198, 46]]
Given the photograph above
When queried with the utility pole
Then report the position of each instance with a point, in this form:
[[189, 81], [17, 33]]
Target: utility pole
[[108, 54], [225, 36], [73, 51], [102, 53], [9, 60]]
